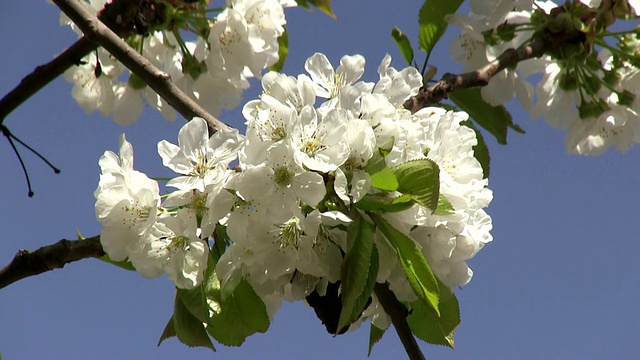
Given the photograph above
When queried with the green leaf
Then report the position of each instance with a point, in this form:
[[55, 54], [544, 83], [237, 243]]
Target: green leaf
[[364, 299], [384, 180], [241, 314], [322, 5], [384, 203], [215, 289], [220, 244], [381, 176], [432, 23], [427, 326], [283, 51], [375, 334], [495, 119], [188, 328], [197, 300], [385, 148], [358, 271], [375, 164], [211, 284], [480, 151], [413, 263], [232, 318], [194, 300], [125, 264], [404, 45], [420, 179], [169, 332], [444, 206]]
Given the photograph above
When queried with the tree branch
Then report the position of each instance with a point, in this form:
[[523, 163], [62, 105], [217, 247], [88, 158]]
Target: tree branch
[[451, 82], [29, 263], [398, 314], [118, 15], [43, 75], [158, 80]]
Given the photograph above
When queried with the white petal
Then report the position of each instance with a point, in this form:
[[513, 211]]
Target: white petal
[[321, 71], [309, 187], [127, 106], [193, 138], [351, 68]]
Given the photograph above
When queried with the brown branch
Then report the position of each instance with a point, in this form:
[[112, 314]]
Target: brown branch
[[451, 82], [158, 80], [43, 75], [29, 263], [398, 314], [118, 15]]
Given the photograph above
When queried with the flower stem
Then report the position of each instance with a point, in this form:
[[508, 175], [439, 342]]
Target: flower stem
[[398, 314]]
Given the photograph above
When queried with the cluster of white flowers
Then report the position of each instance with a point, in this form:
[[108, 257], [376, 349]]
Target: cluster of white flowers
[[593, 122], [618, 123], [242, 42], [300, 174], [167, 237], [474, 50]]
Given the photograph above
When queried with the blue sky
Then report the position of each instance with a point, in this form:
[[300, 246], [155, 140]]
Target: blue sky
[[559, 281]]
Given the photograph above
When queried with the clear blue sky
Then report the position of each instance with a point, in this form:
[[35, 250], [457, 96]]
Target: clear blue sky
[[559, 281]]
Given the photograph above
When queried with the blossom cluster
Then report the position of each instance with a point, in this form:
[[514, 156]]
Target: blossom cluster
[[587, 88], [238, 44], [301, 172]]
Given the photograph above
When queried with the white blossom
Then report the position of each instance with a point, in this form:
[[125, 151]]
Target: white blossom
[[242, 42], [328, 82], [282, 184], [199, 159], [93, 82], [172, 246], [319, 141], [126, 202], [269, 122], [397, 86], [303, 172]]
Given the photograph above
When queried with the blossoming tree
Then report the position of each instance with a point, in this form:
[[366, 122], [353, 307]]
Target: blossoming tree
[[363, 199]]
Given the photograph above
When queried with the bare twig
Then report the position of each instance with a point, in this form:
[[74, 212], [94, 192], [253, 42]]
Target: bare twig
[[451, 82], [43, 75], [158, 80], [398, 314], [29, 263]]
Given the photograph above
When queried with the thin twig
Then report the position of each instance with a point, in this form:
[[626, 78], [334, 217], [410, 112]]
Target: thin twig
[[158, 80], [43, 75], [30, 263], [451, 82], [398, 314]]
